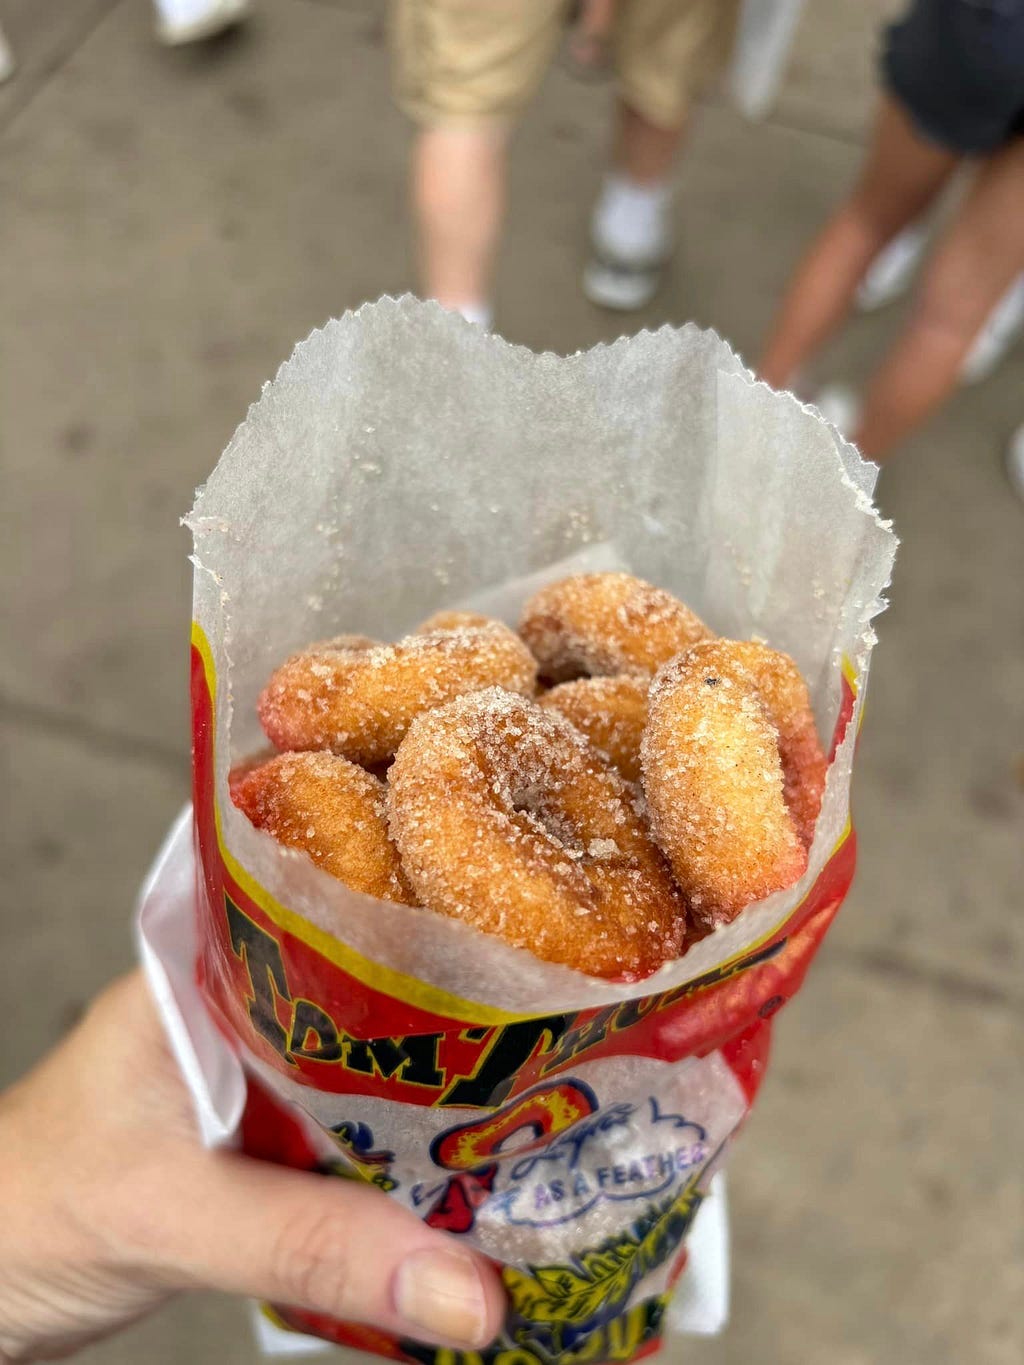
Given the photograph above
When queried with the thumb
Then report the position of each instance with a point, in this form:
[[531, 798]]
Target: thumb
[[334, 1246]]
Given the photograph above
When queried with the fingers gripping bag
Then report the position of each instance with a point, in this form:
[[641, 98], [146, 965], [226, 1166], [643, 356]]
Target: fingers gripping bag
[[568, 1127]]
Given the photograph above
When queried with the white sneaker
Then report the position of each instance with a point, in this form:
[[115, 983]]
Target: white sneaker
[[620, 286], [1005, 324], [889, 274], [1015, 461], [631, 242], [6, 58], [192, 21], [840, 406]]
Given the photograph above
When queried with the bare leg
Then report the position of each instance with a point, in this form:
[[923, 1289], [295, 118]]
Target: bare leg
[[901, 177], [631, 227], [458, 190], [980, 256], [642, 152], [588, 41]]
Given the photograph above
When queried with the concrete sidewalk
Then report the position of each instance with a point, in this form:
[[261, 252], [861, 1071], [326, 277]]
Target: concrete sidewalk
[[171, 224]]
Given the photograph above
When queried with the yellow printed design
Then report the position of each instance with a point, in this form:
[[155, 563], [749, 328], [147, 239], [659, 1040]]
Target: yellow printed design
[[553, 1308]]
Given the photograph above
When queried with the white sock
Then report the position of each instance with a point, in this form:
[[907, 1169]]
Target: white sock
[[185, 11], [631, 221], [476, 311]]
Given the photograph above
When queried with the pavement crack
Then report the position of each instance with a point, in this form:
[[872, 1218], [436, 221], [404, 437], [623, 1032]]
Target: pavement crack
[[97, 737]]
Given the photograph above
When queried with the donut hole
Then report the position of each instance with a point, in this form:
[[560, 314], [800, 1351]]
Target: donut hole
[[603, 624], [547, 819], [506, 818], [526, 782], [530, 779]]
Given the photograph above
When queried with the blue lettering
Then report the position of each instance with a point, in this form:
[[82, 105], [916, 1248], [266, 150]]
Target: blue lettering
[[690, 1156], [421, 1193], [503, 1202], [568, 1147]]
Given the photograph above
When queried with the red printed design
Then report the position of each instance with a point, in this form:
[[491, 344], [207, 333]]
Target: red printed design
[[315, 1011]]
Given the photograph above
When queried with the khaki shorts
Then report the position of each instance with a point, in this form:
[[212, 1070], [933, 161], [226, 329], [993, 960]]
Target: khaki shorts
[[469, 61]]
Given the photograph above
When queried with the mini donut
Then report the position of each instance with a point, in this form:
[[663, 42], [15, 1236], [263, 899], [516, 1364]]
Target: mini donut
[[610, 712], [453, 620], [245, 766], [714, 779], [782, 689], [358, 702], [332, 810], [347, 642], [606, 623], [505, 817]]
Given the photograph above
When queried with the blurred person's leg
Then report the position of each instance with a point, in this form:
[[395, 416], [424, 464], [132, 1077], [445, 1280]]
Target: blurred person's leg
[[463, 72], [666, 53], [972, 268], [954, 73], [590, 36], [891, 274], [642, 151], [192, 21], [631, 226], [901, 177], [892, 271], [458, 192], [1002, 328]]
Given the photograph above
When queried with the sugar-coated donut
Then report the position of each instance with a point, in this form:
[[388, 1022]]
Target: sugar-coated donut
[[245, 766], [505, 817], [715, 784], [359, 702], [606, 623], [610, 712], [332, 810], [782, 689], [347, 642], [453, 620]]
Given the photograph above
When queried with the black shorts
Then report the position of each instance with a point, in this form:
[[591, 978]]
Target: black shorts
[[957, 67]]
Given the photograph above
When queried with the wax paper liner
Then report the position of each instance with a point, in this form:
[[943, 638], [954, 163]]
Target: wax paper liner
[[403, 460]]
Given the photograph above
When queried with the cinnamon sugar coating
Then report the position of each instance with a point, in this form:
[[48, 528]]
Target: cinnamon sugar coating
[[359, 702], [506, 818], [332, 810]]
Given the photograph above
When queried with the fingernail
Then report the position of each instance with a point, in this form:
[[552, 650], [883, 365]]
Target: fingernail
[[441, 1294]]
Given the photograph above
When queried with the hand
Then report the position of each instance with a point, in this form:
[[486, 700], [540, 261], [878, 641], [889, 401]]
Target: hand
[[110, 1206]]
